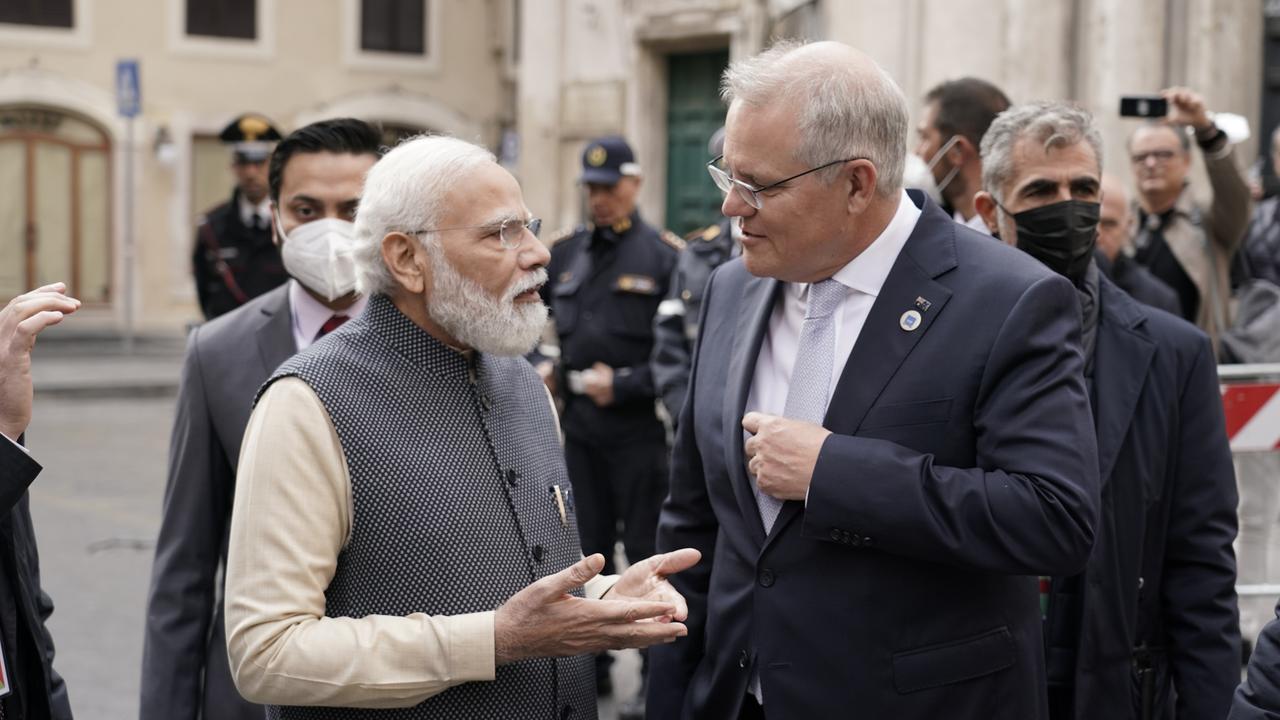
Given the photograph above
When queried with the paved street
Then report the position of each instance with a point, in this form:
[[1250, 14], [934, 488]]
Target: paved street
[[96, 507], [101, 431]]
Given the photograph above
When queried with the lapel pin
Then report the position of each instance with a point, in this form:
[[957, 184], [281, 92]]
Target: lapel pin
[[909, 321], [923, 304]]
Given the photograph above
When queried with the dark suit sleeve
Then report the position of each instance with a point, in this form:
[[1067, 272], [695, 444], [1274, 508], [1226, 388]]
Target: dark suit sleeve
[[687, 520], [1258, 697], [181, 603], [59, 703], [1198, 589], [670, 360], [17, 471], [1028, 505]]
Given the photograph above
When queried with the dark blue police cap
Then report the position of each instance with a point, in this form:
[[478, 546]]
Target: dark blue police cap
[[606, 160]]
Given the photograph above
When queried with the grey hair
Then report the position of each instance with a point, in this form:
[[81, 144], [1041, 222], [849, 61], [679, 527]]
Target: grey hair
[[405, 191], [1055, 124], [843, 113]]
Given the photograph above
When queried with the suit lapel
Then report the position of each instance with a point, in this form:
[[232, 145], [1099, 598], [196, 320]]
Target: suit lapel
[[275, 332], [758, 298], [883, 344], [1121, 360]]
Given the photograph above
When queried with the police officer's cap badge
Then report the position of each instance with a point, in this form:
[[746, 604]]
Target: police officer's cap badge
[[596, 156]]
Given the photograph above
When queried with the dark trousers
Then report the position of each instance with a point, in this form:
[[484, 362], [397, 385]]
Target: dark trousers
[[614, 484]]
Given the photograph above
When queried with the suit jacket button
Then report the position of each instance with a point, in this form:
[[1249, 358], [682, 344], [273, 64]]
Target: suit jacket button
[[867, 542], [766, 577], [537, 553], [511, 477], [743, 659]]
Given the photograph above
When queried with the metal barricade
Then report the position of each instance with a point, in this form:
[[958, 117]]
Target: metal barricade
[[1251, 404]]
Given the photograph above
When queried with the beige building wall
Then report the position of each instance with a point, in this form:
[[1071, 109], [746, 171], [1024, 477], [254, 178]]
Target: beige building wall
[[1088, 51], [304, 66]]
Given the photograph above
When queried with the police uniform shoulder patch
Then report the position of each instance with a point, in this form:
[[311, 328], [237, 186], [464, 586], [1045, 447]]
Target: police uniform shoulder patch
[[708, 233], [672, 239]]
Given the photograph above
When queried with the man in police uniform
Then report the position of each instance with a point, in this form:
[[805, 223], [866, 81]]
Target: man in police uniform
[[234, 259], [606, 281], [675, 329]]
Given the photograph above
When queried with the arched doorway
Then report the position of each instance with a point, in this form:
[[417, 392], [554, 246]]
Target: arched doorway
[[55, 203]]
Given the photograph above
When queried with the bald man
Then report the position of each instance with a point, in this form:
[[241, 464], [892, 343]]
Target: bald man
[[1115, 251]]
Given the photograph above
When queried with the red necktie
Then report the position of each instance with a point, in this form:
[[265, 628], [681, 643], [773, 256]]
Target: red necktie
[[331, 324]]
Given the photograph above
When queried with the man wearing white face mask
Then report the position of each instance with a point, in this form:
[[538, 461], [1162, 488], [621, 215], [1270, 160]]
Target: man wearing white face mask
[[315, 177], [957, 114]]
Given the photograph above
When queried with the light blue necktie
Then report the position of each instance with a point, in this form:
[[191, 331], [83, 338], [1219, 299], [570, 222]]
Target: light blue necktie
[[807, 395]]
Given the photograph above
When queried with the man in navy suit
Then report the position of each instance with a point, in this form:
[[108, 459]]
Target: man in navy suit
[[1149, 629], [887, 429]]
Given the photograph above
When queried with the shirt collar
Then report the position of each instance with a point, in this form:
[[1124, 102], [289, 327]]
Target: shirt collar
[[867, 272], [248, 210], [309, 314]]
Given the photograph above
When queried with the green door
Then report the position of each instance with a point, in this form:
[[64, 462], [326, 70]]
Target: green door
[[694, 112]]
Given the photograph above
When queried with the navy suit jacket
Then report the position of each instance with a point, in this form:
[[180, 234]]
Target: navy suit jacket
[[962, 462], [1163, 571]]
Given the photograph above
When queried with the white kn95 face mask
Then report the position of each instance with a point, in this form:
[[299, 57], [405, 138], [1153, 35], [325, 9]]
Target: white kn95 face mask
[[318, 254]]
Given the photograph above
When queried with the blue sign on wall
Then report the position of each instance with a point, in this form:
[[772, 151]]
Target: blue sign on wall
[[128, 91]]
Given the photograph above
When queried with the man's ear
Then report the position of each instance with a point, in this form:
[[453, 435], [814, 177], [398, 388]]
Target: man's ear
[[400, 254], [961, 151], [862, 184], [986, 206]]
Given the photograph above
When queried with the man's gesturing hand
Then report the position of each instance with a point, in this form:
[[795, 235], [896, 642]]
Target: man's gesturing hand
[[544, 620], [647, 580], [20, 321], [782, 453]]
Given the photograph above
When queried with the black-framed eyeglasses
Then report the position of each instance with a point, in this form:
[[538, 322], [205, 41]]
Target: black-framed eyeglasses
[[510, 232], [750, 194]]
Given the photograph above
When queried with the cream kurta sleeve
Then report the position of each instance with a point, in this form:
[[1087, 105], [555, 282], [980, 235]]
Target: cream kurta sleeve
[[291, 518], [292, 515]]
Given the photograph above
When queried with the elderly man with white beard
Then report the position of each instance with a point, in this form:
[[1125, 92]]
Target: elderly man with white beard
[[403, 533]]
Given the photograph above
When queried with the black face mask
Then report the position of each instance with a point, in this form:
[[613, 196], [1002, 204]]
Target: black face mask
[[1061, 235]]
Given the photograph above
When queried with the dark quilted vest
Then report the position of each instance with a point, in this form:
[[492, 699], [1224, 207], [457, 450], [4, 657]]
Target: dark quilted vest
[[453, 467]]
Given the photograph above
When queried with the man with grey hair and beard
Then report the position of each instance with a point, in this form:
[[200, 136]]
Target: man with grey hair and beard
[[403, 536], [917, 434], [1148, 629]]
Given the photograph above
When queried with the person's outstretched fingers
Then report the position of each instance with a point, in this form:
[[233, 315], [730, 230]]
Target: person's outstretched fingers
[[574, 576], [677, 561]]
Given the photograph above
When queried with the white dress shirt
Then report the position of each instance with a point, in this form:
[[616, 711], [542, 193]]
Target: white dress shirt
[[309, 314], [248, 211], [863, 277]]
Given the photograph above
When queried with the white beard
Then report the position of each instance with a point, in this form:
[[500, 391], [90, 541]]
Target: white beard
[[474, 318]]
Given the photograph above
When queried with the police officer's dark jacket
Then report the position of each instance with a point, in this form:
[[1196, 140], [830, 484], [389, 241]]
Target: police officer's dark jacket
[[604, 287], [251, 259]]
